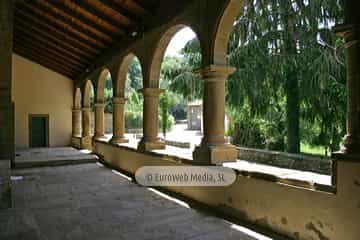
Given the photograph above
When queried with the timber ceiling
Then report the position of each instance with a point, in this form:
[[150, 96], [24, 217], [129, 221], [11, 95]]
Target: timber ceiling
[[67, 35]]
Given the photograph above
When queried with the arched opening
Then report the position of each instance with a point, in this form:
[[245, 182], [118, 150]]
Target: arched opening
[[180, 106], [88, 102], [288, 91], [104, 95], [130, 81]]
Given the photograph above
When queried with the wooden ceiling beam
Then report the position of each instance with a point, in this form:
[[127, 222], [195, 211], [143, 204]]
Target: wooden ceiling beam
[[137, 6], [94, 19], [90, 9], [56, 9], [59, 24], [19, 30], [27, 42], [32, 21], [117, 12], [132, 16], [54, 38], [50, 58], [50, 66]]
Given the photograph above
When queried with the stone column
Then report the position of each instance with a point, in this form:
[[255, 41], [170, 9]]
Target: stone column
[[99, 121], [86, 141], [118, 121], [150, 140], [213, 148], [76, 122], [7, 139], [350, 30]]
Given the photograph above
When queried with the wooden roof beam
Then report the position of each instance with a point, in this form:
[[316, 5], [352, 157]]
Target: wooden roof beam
[[26, 41], [46, 57], [84, 6], [58, 23], [56, 8], [36, 59], [53, 30], [19, 30], [52, 37]]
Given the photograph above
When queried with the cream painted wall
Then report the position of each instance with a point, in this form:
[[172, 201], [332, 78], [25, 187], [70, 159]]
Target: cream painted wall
[[38, 90]]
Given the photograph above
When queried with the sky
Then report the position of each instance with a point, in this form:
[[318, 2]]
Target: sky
[[179, 41]]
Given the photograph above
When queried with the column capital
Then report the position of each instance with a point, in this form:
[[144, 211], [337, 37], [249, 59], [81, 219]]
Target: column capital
[[119, 100], [76, 110], [86, 109], [216, 72], [151, 92]]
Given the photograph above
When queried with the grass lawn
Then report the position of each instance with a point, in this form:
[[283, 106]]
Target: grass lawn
[[316, 150]]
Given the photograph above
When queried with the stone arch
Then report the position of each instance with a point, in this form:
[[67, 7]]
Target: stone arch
[[100, 85], [159, 52], [223, 31], [86, 95], [120, 81], [77, 99]]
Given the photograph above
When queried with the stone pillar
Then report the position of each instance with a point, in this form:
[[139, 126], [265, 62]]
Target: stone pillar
[[99, 121], [7, 139], [86, 141], [150, 140], [213, 148], [350, 30], [76, 122], [118, 121]]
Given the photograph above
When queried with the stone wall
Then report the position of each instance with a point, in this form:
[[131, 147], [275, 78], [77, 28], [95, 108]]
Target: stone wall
[[303, 162]]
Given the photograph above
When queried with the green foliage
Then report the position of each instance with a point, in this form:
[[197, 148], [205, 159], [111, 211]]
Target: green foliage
[[289, 74]]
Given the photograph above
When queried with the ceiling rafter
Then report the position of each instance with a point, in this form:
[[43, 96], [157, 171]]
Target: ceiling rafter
[[44, 47], [53, 30], [86, 18], [57, 40], [84, 6], [47, 63], [41, 52], [65, 27], [77, 24]]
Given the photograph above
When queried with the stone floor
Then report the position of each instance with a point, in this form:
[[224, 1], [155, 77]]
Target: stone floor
[[35, 157], [89, 201]]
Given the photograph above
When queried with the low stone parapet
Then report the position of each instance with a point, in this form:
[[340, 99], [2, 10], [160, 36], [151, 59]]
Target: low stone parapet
[[302, 162]]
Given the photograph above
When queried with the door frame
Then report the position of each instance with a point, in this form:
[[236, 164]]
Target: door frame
[[46, 116]]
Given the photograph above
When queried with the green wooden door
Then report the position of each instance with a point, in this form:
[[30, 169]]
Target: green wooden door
[[38, 132]]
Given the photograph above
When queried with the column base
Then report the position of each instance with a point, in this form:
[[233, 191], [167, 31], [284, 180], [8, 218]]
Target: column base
[[351, 145], [86, 142], [215, 154], [118, 140], [151, 145], [99, 137]]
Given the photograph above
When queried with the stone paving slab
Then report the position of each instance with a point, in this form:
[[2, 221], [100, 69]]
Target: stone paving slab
[[92, 202]]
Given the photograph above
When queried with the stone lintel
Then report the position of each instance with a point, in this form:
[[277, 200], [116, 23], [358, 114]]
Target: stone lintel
[[215, 154], [151, 92]]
